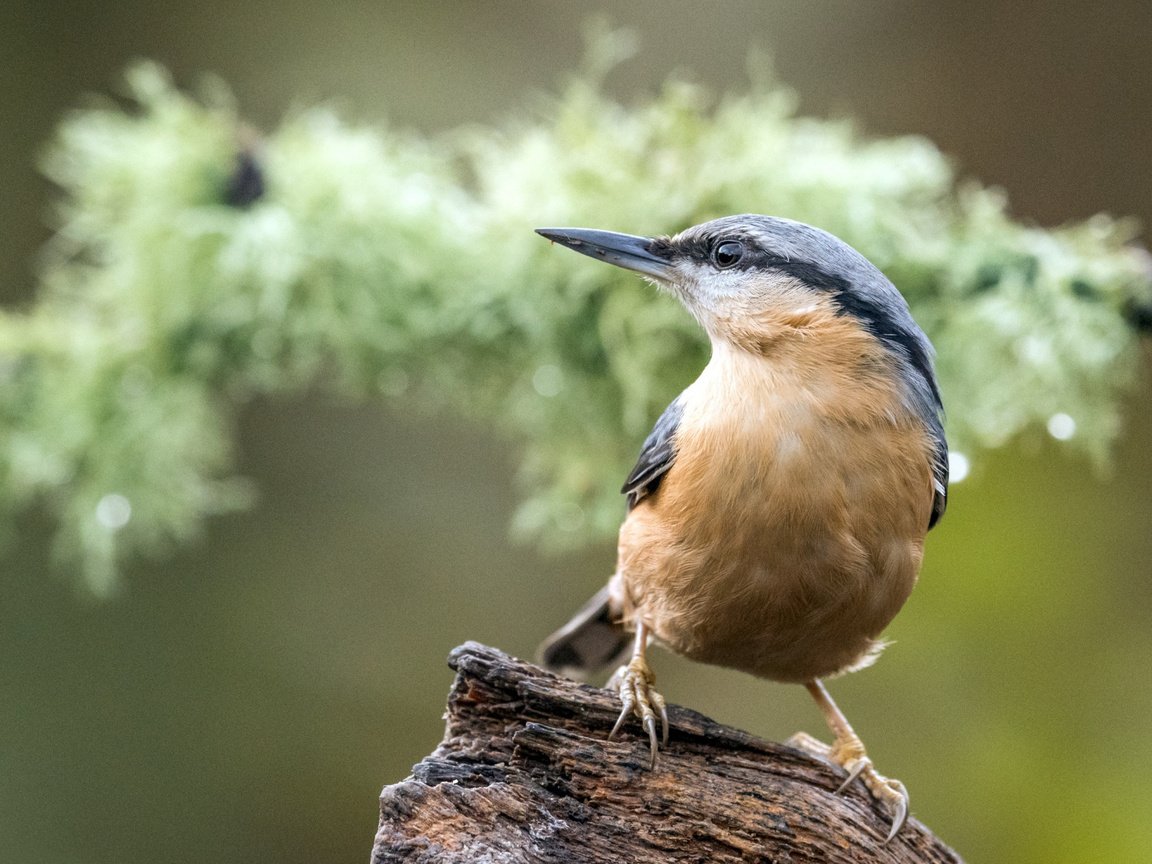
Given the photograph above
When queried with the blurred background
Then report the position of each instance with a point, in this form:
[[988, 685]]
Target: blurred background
[[248, 697]]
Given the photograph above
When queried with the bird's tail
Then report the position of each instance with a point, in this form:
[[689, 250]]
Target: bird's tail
[[592, 640]]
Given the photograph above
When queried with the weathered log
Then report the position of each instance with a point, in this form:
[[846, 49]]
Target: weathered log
[[525, 773]]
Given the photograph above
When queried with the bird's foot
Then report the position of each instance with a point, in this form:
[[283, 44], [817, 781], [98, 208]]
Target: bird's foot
[[849, 754], [636, 685]]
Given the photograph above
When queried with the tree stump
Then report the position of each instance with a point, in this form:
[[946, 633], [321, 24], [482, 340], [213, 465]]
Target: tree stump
[[525, 773]]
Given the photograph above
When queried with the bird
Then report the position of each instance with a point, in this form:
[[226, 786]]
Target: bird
[[777, 513]]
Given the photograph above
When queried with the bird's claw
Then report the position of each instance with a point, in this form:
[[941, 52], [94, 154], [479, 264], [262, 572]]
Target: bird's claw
[[850, 756], [853, 772], [890, 793], [636, 685]]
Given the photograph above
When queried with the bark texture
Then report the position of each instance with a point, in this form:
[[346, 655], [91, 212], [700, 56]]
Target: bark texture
[[525, 774]]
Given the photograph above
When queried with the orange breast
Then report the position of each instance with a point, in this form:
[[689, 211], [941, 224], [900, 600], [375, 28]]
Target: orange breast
[[789, 530]]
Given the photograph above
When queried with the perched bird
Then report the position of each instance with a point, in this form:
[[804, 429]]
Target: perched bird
[[777, 513]]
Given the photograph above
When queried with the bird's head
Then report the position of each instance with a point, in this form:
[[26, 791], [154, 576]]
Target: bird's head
[[750, 280]]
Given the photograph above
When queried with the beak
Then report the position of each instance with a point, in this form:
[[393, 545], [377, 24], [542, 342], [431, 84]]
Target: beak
[[623, 250]]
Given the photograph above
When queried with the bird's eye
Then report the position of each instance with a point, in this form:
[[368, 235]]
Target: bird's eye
[[727, 254]]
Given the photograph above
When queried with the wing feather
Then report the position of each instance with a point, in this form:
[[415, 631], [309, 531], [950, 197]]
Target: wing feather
[[656, 456], [939, 476]]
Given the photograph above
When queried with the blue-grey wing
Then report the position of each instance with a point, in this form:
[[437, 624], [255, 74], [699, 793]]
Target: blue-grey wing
[[921, 380], [656, 456], [939, 476]]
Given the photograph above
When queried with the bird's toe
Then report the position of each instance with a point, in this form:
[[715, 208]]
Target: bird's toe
[[638, 698], [849, 754]]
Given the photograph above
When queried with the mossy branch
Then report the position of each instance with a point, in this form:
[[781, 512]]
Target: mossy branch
[[389, 265]]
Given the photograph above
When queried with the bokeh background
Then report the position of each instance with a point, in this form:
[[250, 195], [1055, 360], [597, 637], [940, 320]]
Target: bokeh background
[[248, 697]]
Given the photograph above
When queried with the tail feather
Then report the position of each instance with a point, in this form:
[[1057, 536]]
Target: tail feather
[[592, 640]]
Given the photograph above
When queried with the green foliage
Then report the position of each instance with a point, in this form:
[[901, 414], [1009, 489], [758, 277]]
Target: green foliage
[[381, 264]]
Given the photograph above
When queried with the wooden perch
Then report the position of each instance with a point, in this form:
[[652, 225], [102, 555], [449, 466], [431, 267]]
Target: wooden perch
[[525, 773]]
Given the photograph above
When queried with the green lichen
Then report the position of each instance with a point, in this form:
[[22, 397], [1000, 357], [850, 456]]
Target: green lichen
[[387, 265]]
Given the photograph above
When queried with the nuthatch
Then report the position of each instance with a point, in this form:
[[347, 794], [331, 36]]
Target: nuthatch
[[777, 513]]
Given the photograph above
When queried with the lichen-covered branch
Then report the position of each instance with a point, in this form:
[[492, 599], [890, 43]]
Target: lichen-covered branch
[[184, 280], [525, 774]]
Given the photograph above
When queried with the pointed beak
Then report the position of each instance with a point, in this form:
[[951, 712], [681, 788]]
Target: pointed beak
[[623, 250]]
